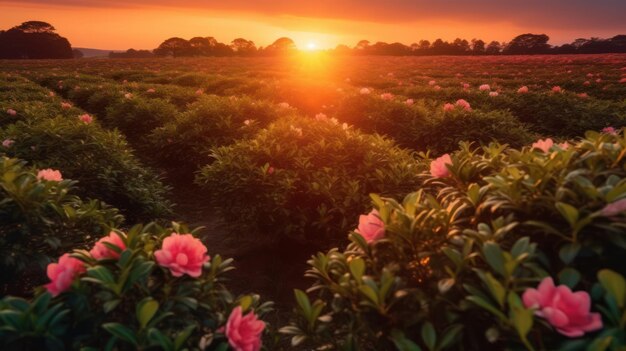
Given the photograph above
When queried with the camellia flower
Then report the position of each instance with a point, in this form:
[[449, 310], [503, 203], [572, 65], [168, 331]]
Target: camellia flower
[[270, 170], [522, 90], [66, 105], [567, 311], [128, 95], [484, 87], [409, 102], [614, 208], [448, 107], [244, 332], [247, 122], [543, 144], [150, 91], [623, 80], [609, 130], [386, 96], [438, 166], [437, 87], [63, 273], [51, 93], [11, 112], [8, 143], [364, 91], [296, 130], [50, 174], [493, 93], [583, 95], [182, 254], [564, 145], [466, 86], [464, 104], [321, 117], [199, 92], [86, 118], [557, 89], [101, 251], [283, 105], [371, 227], [432, 82]]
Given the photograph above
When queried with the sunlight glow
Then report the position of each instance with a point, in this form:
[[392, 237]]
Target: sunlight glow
[[311, 46]]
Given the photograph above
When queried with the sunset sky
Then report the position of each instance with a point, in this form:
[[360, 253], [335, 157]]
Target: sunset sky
[[144, 24]]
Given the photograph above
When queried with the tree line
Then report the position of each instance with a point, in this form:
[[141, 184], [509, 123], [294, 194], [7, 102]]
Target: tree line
[[38, 40]]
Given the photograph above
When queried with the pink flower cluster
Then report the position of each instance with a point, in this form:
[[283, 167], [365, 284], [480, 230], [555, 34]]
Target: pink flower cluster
[[371, 227], [63, 273], [438, 167], [182, 254], [11, 112], [7, 143], [244, 332], [484, 87], [614, 208], [386, 96], [364, 91], [459, 103], [543, 144], [85, 118], [50, 174], [101, 251], [567, 311]]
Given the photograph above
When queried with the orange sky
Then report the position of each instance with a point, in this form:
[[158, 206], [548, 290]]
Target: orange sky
[[143, 24]]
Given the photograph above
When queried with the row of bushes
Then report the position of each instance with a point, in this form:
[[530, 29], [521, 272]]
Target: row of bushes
[[484, 256]]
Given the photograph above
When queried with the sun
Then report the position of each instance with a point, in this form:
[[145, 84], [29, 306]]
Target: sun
[[311, 46]]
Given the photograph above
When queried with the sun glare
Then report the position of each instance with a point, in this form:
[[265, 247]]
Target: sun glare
[[311, 46]]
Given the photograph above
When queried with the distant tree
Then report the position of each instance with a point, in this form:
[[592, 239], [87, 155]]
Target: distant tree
[[202, 46], [175, 47], [282, 46], [528, 44], [77, 54], [424, 45], [243, 47], [493, 48], [362, 45], [460, 46], [478, 47], [34, 40], [342, 49], [132, 53]]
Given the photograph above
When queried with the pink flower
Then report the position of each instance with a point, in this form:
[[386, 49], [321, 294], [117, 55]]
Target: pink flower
[[364, 91], [409, 102], [101, 251], [182, 254], [557, 89], [493, 93], [464, 104], [244, 332], [270, 170], [150, 91], [623, 80], [438, 166], [583, 95], [564, 145], [614, 208], [247, 122], [437, 87], [296, 130], [448, 107], [63, 273], [386, 96], [128, 95], [199, 92], [567, 311], [484, 87], [11, 112], [51, 93], [609, 130], [49, 174], [283, 105], [543, 145], [86, 118], [522, 90], [66, 105], [432, 82], [587, 83], [466, 86], [7, 143], [371, 227]]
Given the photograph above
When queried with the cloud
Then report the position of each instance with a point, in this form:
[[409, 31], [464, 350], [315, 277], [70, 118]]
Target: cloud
[[551, 14]]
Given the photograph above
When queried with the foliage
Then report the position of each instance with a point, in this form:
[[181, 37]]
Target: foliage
[[459, 253], [129, 303], [40, 219], [304, 179]]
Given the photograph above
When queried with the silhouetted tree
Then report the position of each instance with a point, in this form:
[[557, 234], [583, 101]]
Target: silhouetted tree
[[243, 47], [493, 48], [77, 54], [132, 53], [528, 44], [175, 47], [282, 46], [478, 47], [34, 40]]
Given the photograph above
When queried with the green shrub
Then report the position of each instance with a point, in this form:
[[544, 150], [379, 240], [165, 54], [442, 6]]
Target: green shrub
[[458, 255], [99, 160], [184, 142], [40, 219], [127, 300], [136, 117], [304, 179]]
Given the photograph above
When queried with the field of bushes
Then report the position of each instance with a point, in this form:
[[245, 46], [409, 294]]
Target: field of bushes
[[443, 203]]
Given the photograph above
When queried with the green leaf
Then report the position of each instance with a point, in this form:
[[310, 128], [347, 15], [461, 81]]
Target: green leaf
[[450, 335], [487, 306], [122, 332], [357, 268], [614, 284], [569, 277], [429, 335], [402, 342], [245, 302], [146, 310], [303, 302], [158, 338], [569, 212], [568, 252], [180, 339], [495, 258]]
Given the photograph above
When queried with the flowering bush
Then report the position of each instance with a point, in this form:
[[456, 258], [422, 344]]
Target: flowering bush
[[100, 160], [471, 260], [40, 218], [305, 179], [135, 301]]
